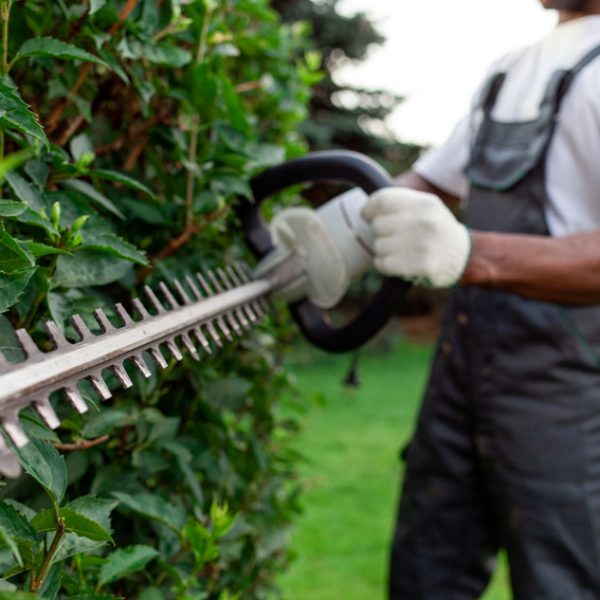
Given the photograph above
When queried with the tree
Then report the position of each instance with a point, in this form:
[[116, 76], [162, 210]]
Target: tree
[[343, 116]]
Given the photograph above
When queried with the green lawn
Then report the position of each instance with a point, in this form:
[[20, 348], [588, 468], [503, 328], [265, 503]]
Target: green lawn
[[352, 472]]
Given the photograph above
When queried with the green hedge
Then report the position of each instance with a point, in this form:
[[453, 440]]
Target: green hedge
[[127, 130]]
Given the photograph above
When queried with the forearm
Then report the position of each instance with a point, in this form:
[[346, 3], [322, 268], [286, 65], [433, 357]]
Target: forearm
[[564, 269]]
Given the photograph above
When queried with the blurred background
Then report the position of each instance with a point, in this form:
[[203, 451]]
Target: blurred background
[[397, 77]]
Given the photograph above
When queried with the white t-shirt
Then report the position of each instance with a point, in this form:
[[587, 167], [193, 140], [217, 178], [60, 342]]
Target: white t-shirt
[[573, 163]]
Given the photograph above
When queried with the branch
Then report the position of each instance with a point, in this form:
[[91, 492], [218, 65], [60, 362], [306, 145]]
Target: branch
[[37, 582], [175, 244], [81, 444]]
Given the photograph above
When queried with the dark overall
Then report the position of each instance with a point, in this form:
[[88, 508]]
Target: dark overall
[[507, 448]]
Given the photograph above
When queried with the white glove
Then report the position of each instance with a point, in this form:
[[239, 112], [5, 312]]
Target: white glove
[[417, 237], [333, 242]]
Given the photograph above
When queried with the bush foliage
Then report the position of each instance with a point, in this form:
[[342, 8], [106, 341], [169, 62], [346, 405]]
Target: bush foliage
[[127, 130]]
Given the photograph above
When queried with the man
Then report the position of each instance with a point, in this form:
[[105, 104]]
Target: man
[[507, 447]]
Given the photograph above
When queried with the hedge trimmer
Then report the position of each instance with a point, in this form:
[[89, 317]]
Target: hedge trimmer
[[201, 311]]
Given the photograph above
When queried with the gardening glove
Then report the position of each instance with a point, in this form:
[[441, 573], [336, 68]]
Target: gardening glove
[[417, 237], [333, 243]]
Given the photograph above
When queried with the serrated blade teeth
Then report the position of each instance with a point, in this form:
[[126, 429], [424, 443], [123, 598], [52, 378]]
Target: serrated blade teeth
[[100, 386], [214, 281], [75, 398], [238, 311], [225, 280], [28, 345], [157, 355], [123, 314], [122, 376], [202, 340], [181, 291], [256, 312], [141, 366], [160, 309], [58, 339], [214, 336], [194, 288], [16, 433], [103, 320], [174, 350], [9, 465], [80, 327], [140, 308], [231, 279], [244, 272], [45, 410], [204, 284], [187, 342], [166, 292]]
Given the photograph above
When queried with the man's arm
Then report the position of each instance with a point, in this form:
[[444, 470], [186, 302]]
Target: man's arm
[[556, 269]]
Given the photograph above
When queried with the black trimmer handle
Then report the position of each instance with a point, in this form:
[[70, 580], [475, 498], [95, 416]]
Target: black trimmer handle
[[345, 167]]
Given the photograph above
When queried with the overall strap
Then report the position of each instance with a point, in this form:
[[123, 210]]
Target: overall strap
[[490, 91], [562, 80]]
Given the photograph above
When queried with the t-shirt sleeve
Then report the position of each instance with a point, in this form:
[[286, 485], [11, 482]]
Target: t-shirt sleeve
[[444, 166]]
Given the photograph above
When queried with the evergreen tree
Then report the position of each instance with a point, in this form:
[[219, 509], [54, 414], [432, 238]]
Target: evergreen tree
[[344, 116]]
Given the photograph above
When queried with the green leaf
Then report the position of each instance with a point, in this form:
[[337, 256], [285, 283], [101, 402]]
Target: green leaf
[[8, 208], [51, 47], [13, 160], [26, 192], [8, 540], [18, 596], [96, 509], [83, 187], [12, 256], [74, 522], [105, 421], [233, 102], [112, 244], [15, 530], [38, 220], [89, 267], [124, 562], [161, 53], [43, 462], [15, 114], [123, 178], [38, 250], [12, 287], [9, 345], [16, 525], [153, 507]]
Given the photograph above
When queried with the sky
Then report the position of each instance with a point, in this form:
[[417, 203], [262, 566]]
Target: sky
[[437, 52]]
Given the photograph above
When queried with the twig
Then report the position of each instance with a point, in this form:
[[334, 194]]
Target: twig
[[248, 86], [37, 582], [175, 244], [75, 124], [80, 444]]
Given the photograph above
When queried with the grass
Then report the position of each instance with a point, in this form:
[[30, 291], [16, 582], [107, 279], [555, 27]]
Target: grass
[[353, 471]]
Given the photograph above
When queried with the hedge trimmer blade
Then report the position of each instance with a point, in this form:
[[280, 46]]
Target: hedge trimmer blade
[[208, 308]]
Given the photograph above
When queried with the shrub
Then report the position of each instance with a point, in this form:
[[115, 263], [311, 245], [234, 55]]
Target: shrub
[[127, 130]]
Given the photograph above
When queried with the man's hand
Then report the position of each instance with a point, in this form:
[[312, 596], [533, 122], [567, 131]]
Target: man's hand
[[417, 237]]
